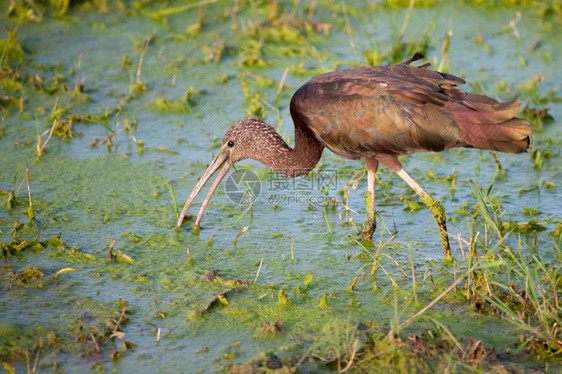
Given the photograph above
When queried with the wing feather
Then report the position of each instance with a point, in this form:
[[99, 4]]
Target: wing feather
[[400, 109]]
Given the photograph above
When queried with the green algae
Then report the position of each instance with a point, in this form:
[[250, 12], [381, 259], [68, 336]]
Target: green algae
[[162, 104], [323, 304], [282, 299], [16, 246], [81, 322]]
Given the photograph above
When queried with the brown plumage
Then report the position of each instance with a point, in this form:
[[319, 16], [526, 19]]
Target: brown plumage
[[400, 109], [374, 113]]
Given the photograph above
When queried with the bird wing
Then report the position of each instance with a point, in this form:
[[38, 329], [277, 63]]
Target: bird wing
[[395, 109]]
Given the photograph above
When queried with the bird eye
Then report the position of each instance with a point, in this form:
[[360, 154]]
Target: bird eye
[[231, 143]]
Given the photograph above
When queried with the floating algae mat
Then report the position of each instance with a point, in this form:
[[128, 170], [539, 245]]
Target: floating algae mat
[[112, 110]]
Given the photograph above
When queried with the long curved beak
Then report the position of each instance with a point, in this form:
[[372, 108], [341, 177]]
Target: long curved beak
[[220, 160]]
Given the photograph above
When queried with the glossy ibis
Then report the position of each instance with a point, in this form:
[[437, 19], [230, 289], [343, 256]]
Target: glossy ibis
[[376, 113]]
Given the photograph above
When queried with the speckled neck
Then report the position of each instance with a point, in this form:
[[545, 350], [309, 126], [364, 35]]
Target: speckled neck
[[273, 151]]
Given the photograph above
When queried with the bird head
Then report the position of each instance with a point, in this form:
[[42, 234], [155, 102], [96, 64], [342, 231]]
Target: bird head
[[238, 144]]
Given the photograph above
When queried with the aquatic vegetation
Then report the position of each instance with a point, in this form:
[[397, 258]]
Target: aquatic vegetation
[[529, 296], [11, 52]]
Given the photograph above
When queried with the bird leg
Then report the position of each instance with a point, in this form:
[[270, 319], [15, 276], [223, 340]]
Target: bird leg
[[370, 224], [434, 205]]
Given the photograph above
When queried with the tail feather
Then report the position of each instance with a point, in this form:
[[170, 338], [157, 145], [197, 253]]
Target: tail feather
[[502, 112], [513, 146], [513, 129], [485, 123]]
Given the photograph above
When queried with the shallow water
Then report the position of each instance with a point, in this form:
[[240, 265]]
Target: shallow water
[[92, 195]]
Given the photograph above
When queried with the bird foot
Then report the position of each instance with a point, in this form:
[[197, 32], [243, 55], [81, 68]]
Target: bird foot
[[439, 214], [368, 229], [370, 224]]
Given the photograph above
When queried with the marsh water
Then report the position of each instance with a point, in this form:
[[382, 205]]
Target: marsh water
[[139, 145]]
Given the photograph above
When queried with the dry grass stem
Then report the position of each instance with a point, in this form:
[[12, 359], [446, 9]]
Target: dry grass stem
[[259, 270]]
